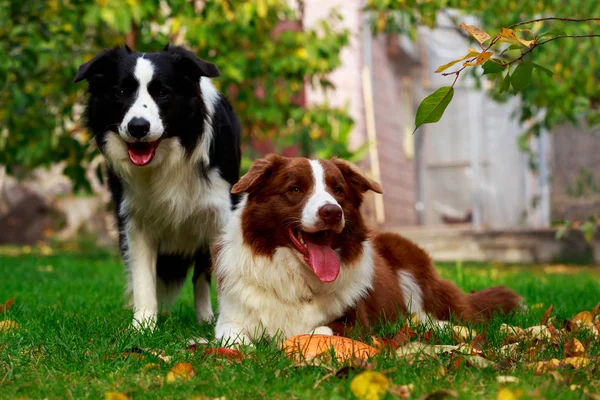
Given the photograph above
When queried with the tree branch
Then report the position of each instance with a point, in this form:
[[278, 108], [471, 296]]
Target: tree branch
[[556, 19], [570, 36]]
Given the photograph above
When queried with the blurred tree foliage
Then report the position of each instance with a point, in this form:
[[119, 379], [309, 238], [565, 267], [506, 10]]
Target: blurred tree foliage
[[571, 94], [263, 67]]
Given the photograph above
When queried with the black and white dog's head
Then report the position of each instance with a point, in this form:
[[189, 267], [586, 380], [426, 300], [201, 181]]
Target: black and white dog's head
[[140, 100]]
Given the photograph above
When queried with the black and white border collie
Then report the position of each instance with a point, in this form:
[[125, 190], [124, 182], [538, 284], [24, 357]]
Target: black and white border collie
[[171, 142]]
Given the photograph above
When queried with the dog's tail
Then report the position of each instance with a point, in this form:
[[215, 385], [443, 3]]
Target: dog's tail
[[473, 307]]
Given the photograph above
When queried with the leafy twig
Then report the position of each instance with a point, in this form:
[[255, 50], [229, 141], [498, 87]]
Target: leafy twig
[[555, 19]]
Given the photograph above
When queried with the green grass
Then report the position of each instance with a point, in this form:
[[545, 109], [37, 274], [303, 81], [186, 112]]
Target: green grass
[[73, 329]]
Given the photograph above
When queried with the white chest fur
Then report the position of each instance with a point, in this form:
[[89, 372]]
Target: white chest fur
[[281, 295], [172, 204]]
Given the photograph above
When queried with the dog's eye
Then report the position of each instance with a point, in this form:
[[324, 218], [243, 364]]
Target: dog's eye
[[338, 190], [162, 92], [295, 189], [119, 92]]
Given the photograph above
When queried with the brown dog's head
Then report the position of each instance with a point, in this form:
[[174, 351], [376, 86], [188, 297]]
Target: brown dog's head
[[309, 206]]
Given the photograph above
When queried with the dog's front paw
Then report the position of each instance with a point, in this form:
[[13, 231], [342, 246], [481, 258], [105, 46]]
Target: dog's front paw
[[322, 330], [144, 321]]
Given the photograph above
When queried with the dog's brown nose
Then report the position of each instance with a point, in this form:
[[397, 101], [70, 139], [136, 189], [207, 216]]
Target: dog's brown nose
[[331, 214]]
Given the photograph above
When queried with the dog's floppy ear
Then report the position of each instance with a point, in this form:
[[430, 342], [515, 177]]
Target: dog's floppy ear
[[258, 174], [191, 66], [97, 64], [355, 178]]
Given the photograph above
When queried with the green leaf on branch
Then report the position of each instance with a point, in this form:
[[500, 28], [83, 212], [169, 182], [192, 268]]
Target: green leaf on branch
[[521, 77], [433, 106], [588, 229], [505, 83], [544, 70], [490, 67]]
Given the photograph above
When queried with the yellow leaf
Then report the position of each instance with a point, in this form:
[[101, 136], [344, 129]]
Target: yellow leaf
[[462, 334], [508, 35], [507, 394], [483, 57], [175, 25], [472, 53], [576, 362], [479, 34], [369, 385], [584, 318], [182, 371], [574, 348], [261, 8], [115, 396], [381, 21], [302, 53], [8, 325]]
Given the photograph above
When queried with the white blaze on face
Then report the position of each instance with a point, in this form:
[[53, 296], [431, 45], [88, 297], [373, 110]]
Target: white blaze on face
[[318, 198], [143, 105]]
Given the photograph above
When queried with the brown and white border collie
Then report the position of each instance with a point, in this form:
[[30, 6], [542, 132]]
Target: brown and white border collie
[[296, 257]]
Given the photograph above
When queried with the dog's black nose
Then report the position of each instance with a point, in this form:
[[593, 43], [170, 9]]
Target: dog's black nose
[[138, 127], [330, 214]]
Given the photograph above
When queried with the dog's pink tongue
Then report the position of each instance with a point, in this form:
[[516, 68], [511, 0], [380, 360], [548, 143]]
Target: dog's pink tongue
[[141, 153], [322, 259]]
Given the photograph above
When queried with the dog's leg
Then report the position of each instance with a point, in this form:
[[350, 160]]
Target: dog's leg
[[201, 281], [171, 272], [141, 259]]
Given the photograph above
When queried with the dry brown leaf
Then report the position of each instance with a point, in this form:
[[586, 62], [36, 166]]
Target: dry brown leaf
[[544, 366], [462, 334], [513, 333], [576, 362], [4, 307], [546, 316], [584, 318], [479, 34], [511, 351], [596, 309], [369, 385], [478, 362], [181, 371], [8, 325], [539, 332], [307, 347], [416, 348], [574, 348], [507, 379], [115, 396], [479, 341], [558, 378]]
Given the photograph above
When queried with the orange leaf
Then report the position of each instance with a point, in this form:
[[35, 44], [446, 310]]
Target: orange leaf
[[584, 318], [307, 347], [482, 58], [574, 348], [182, 371], [7, 305], [479, 34], [508, 35], [230, 354], [546, 316]]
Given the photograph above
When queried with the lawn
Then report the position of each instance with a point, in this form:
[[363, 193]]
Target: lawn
[[73, 340]]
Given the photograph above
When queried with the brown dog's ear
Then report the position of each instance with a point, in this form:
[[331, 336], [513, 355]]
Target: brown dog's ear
[[259, 173], [355, 178]]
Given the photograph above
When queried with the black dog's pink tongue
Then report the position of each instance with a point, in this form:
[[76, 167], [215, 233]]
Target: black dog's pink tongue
[[321, 257], [141, 153]]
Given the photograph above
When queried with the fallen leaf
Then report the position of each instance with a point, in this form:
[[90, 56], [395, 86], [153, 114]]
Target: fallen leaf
[[462, 334], [159, 354], [539, 332], [507, 394], [479, 341], [406, 331], [574, 348], [4, 307], [401, 391], [115, 396], [416, 348], [307, 347], [584, 318], [150, 366], [511, 351], [546, 316], [224, 352], [558, 378], [507, 379], [8, 325], [478, 362], [181, 371], [544, 366], [576, 362], [596, 309], [369, 385], [441, 395], [479, 34], [513, 333]]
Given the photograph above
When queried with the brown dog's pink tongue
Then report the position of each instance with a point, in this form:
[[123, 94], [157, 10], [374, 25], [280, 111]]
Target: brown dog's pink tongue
[[322, 259]]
